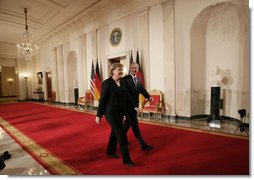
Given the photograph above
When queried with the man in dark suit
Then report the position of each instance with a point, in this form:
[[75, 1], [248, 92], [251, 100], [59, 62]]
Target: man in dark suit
[[134, 87]]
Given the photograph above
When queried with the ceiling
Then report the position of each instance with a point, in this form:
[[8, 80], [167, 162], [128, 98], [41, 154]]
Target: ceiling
[[44, 16]]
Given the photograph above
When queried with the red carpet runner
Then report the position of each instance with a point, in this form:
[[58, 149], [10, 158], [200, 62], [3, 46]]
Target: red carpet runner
[[69, 142]]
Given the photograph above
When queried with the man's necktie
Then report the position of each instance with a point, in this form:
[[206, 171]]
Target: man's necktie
[[135, 82]]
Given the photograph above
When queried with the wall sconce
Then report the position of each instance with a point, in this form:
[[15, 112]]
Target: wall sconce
[[25, 75], [10, 80]]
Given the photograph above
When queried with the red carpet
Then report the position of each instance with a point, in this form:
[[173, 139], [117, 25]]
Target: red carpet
[[74, 139]]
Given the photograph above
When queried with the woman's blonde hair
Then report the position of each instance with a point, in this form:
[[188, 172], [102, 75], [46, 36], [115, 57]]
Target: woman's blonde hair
[[115, 66]]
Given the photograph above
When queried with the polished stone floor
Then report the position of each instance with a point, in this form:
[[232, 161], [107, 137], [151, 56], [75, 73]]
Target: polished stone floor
[[22, 164]]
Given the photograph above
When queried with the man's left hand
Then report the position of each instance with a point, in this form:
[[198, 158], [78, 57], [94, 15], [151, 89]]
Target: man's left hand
[[150, 98]]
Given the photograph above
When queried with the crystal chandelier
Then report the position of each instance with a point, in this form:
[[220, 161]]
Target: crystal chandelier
[[27, 50]]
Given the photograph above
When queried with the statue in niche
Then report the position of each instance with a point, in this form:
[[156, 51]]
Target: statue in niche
[[75, 84], [217, 77]]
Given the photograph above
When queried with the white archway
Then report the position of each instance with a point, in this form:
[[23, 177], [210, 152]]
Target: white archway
[[216, 40], [72, 75]]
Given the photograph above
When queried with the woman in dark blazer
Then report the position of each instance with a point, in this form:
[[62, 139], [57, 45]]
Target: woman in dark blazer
[[115, 103]]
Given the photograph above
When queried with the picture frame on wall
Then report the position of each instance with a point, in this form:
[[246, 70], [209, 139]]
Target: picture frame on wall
[[115, 36], [40, 78]]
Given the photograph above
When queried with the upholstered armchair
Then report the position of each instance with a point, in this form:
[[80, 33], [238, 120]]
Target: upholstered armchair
[[153, 107], [86, 100]]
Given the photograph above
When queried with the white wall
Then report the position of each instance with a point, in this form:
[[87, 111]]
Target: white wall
[[192, 89], [156, 48], [8, 88], [89, 56], [215, 42]]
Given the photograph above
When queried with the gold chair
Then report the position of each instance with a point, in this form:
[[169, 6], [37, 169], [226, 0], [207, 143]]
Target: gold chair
[[156, 106], [87, 100]]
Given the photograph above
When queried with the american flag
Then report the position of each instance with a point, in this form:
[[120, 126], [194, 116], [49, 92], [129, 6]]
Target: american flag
[[131, 60], [140, 72], [92, 80]]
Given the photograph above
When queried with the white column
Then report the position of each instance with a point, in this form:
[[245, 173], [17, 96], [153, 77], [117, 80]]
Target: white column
[[94, 45], [143, 43], [55, 70], [26, 68], [83, 66], [21, 82], [168, 7], [60, 73]]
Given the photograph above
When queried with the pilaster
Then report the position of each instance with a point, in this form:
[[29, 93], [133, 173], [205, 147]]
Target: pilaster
[[168, 7]]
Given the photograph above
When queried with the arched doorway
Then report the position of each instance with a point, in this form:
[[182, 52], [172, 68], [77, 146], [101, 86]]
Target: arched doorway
[[72, 82]]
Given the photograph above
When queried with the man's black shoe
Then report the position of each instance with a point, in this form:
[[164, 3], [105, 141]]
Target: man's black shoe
[[2, 164], [5, 155], [146, 148]]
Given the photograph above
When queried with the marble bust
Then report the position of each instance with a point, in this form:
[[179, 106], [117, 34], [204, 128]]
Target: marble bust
[[217, 77]]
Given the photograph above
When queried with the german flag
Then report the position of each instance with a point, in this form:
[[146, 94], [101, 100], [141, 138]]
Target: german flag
[[97, 82]]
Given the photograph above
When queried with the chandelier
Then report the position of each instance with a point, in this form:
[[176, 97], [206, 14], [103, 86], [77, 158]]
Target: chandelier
[[27, 50]]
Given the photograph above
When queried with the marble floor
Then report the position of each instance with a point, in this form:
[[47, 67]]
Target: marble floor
[[22, 164]]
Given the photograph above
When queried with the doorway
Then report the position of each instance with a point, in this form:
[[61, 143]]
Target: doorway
[[8, 82], [72, 69], [122, 60], [49, 85]]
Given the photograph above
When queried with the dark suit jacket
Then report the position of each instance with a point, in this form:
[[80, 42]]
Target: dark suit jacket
[[134, 94], [114, 100]]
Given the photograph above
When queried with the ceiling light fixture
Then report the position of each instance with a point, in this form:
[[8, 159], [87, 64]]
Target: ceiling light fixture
[[26, 50]]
